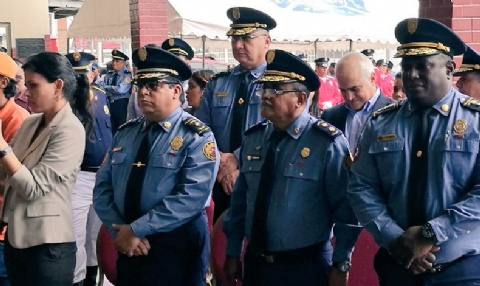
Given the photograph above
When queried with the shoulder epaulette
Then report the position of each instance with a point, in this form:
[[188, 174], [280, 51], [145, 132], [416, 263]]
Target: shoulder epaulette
[[99, 89], [394, 106], [130, 122], [196, 125], [258, 126], [471, 103], [328, 128], [221, 74]]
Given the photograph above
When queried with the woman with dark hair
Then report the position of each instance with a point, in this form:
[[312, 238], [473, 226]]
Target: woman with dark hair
[[92, 109], [196, 85], [39, 175]]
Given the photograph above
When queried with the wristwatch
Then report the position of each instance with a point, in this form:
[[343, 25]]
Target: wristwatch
[[428, 233], [343, 266], [5, 151]]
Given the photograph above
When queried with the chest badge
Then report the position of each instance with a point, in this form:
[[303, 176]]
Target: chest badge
[[305, 152], [177, 143], [209, 150], [460, 126]]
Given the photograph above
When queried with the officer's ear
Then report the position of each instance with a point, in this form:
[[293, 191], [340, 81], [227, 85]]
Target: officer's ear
[[302, 98], [450, 68]]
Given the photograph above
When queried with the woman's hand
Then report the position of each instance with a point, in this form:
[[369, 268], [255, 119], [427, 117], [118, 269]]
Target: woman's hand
[[3, 143]]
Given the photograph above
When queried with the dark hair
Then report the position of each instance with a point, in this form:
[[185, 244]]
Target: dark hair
[[53, 66], [18, 61], [202, 77], [10, 89], [81, 104], [398, 75]]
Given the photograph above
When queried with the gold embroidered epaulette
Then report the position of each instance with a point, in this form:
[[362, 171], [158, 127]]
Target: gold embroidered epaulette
[[221, 74], [328, 128], [471, 103], [99, 89], [388, 108], [196, 125], [130, 122], [258, 126]]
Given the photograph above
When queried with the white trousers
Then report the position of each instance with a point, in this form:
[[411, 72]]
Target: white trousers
[[86, 224]]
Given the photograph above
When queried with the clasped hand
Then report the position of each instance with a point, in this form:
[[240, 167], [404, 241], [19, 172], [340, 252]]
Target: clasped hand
[[127, 243]]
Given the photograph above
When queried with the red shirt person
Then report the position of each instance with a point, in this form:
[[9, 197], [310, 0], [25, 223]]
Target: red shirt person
[[329, 94]]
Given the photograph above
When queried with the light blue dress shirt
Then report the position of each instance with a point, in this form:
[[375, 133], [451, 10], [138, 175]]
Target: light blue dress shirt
[[178, 178], [378, 188], [309, 191]]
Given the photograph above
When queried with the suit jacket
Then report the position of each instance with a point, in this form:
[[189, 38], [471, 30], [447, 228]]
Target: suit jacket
[[337, 115], [37, 204]]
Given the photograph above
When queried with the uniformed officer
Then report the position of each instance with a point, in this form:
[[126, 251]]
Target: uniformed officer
[[86, 223], [369, 53], [328, 93], [118, 85], [180, 48], [469, 73], [415, 182], [155, 181], [229, 104], [291, 189]]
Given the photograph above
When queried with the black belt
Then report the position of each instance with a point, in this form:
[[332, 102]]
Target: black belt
[[309, 254], [89, 169]]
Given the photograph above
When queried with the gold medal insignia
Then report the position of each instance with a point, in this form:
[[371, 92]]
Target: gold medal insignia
[[177, 143], [209, 150], [270, 56], [142, 54], [171, 42], [305, 152], [460, 126], [76, 56], [114, 52]]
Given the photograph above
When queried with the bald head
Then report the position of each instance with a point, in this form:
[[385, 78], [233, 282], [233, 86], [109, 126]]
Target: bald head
[[356, 79]]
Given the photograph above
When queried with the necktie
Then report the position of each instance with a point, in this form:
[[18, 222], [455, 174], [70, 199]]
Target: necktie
[[133, 193], [418, 175], [238, 113], [115, 78], [258, 239]]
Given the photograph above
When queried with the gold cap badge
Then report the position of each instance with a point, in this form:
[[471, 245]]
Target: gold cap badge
[[412, 25], [209, 150], [270, 56], [305, 152], [236, 13], [171, 42], [142, 54], [177, 143], [76, 56], [114, 52], [460, 126]]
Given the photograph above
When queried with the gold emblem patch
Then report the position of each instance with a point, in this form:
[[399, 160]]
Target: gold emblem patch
[[236, 13], [76, 56], [177, 143], [412, 25], [305, 152], [270, 56], [460, 126], [114, 52], [209, 150], [142, 54], [171, 42], [128, 80], [105, 109]]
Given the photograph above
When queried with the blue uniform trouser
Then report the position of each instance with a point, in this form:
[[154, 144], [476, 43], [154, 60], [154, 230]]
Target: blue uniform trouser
[[307, 266], [175, 258], [118, 112], [461, 272]]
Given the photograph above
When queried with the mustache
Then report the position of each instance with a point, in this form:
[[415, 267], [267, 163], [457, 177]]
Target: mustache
[[266, 102]]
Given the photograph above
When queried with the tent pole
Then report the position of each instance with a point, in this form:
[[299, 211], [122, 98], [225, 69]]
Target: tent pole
[[350, 45], [204, 39], [315, 49]]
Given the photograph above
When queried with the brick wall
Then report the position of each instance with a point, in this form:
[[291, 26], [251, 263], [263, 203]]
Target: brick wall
[[148, 22]]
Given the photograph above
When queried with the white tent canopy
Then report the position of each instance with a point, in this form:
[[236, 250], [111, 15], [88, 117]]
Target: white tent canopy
[[366, 23]]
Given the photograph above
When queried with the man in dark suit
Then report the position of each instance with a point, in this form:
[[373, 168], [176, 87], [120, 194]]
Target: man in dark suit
[[356, 81]]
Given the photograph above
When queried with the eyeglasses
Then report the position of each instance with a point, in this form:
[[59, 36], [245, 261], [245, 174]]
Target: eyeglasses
[[150, 85], [270, 92], [245, 38]]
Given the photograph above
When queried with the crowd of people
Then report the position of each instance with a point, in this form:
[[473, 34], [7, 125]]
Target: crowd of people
[[294, 161]]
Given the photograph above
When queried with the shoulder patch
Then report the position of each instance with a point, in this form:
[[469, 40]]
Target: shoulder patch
[[131, 122], [471, 103], [258, 126], [388, 108], [196, 125], [328, 128], [220, 74], [99, 89]]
